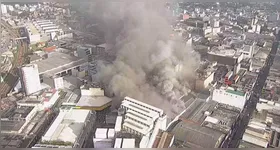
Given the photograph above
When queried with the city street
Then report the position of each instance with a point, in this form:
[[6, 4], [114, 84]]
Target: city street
[[250, 106]]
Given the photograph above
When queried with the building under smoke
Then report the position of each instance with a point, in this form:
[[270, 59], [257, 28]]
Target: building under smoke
[[149, 65]]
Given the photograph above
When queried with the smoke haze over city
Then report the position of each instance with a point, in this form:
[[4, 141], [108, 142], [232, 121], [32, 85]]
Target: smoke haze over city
[[150, 66]]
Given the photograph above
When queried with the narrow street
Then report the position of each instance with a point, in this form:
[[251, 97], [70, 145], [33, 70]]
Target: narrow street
[[240, 126]]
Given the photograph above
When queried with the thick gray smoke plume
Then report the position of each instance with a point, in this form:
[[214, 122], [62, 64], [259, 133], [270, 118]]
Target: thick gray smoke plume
[[150, 65]]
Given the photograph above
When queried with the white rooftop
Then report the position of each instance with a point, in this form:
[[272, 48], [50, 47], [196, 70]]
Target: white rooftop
[[93, 101], [140, 110], [224, 52], [136, 126], [67, 126], [128, 143]]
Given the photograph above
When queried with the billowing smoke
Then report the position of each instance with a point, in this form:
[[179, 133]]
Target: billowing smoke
[[150, 65]]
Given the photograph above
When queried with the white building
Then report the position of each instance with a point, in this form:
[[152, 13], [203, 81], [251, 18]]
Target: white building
[[229, 96], [248, 51], [10, 8], [128, 143], [3, 9], [58, 83], [142, 119], [124, 143], [30, 78], [45, 30], [72, 127], [33, 33], [118, 143], [118, 124], [103, 138]]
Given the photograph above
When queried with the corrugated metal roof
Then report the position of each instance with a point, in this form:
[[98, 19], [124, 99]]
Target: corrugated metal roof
[[197, 136]]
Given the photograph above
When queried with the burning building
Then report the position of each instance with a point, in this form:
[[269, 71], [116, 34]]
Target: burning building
[[149, 66]]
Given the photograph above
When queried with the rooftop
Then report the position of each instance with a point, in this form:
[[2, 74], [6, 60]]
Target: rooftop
[[11, 141], [20, 112], [71, 97], [58, 62], [222, 51], [32, 29], [262, 53], [39, 97], [244, 144], [235, 92], [67, 126], [11, 125], [213, 126], [163, 140], [195, 136], [93, 101]]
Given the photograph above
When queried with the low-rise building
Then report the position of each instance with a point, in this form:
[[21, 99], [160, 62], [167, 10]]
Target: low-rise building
[[70, 129], [203, 124], [45, 30], [45, 99], [225, 56], [124, 143], [230, 96], [163, 140], [205, 76], [93, 98], [29, 121], [60, 64]]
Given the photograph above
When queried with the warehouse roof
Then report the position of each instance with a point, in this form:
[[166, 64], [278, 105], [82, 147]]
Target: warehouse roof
[[196, 136], [58, 62]]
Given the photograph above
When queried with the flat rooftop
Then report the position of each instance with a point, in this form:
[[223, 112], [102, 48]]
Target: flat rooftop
[[32, 28], [38, 97], [10, 125], [244, 144], [11, 140], [224, 52], [58, 62], [17, 113], [93, 101], [67, 126], [71, 97]]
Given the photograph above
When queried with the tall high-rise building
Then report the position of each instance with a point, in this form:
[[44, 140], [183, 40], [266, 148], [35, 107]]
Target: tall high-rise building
[[30, 79]]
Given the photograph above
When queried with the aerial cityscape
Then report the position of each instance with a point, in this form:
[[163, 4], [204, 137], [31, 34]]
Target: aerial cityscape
[[140, 74]]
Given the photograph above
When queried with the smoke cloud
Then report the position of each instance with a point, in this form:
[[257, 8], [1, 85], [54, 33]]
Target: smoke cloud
[[150, 66]]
